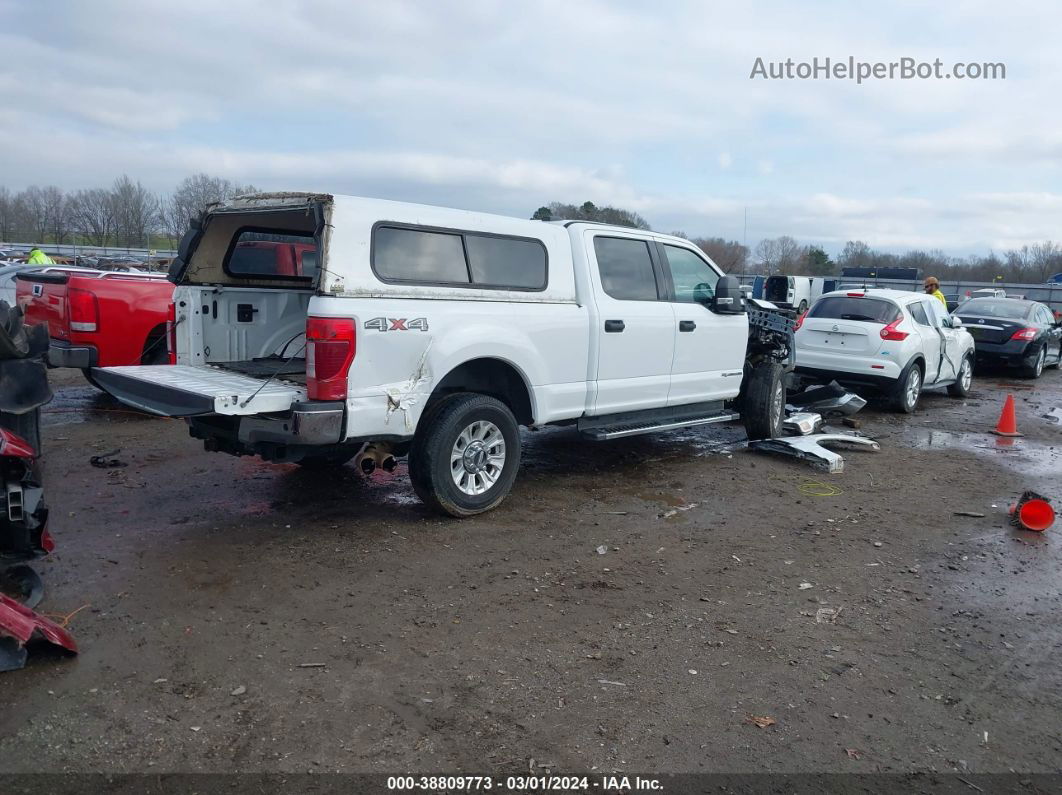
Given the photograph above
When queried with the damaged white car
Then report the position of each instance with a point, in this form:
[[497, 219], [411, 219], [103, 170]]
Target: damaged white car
[[894, 342], [315, 328]]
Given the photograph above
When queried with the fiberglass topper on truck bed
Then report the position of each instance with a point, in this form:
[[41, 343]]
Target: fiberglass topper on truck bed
[[403, 329]]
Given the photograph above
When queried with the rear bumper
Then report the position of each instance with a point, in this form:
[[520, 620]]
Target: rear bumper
[[63, 354], [880, 383], [311, 423], [1010, 352]]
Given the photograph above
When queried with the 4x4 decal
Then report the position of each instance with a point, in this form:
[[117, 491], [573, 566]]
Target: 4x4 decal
[[397, 324]]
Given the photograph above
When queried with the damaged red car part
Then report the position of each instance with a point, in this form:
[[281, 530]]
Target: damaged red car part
[[19, 625]]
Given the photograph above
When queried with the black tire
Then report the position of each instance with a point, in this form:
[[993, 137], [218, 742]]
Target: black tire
[[901, 397], [961, 387], [1032, 366], [763, 404], [438, 434], [802, 308]]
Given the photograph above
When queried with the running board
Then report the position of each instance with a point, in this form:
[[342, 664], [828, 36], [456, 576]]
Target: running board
[[620, 430]]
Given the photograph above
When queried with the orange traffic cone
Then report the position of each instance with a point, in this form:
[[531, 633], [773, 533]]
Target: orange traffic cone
[[1032, 512], [1008, 423]]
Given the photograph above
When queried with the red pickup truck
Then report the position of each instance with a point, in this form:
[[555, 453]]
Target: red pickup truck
[[98, 318], [107, 319]]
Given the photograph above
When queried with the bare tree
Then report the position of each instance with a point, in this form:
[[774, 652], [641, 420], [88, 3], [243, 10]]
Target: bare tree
[[35, 207], [1045, 259], [856, 254], [729, 255], [780, 255], [93, 214], [55, 212], [8, 211], [192, 195], [136, 212]]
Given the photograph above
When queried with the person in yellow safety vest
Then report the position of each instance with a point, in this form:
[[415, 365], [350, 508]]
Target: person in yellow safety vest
[[932, 287], [38, 257]]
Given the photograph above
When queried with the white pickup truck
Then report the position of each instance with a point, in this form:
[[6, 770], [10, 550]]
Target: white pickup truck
[[403, 329]]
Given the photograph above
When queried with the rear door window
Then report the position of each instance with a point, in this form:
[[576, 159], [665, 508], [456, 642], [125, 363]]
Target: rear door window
[[626, 268], [867, 310], [918, 312]]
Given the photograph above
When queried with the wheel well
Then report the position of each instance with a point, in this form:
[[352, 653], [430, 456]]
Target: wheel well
[[491, 377], [154, 341], [921, 362]]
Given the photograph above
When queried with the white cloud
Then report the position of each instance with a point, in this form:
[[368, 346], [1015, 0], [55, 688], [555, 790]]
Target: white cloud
[[506, 107]]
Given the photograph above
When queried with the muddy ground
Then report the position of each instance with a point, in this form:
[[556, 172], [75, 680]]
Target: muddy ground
[[237, 615]]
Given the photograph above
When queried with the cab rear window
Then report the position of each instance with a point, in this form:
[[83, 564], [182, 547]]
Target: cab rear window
[[268, 254], [868, 310]]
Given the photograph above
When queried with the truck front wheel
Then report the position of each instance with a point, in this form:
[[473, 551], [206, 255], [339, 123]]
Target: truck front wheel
[[465, 454], [763, 404]]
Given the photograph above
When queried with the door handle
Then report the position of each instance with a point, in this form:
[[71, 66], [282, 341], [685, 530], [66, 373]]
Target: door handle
[[614, 326], [687, 325]]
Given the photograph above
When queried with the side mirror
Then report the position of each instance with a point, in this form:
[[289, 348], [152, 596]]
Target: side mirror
[[956, 322], [728, 300]]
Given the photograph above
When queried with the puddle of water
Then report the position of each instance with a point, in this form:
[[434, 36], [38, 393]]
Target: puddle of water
[[1025, 456], [74, 404]]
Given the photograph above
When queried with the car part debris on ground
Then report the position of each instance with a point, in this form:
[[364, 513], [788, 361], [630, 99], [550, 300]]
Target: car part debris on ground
[[809, 448], [1032, 512], [1055, 415], [1008, 423], [18, 626], [802, 423], [832, 400], [107, 460]]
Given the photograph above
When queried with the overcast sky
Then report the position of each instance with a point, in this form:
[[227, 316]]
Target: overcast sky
[[507, 106]]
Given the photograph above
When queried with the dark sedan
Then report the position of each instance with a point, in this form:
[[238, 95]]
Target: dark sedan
[[1014, 332]]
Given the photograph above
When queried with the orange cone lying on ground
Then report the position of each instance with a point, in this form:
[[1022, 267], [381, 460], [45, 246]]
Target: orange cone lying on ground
[[1032, 512], [1008, 423]]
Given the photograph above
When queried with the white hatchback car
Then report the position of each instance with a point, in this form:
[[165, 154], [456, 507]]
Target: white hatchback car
[[893, 341]]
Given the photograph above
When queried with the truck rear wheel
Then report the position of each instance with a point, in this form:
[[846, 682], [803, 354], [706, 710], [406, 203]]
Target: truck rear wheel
[[763, 405], [465, 454]]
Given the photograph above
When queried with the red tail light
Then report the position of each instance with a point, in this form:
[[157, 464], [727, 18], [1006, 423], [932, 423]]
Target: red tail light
[[330, 348], [83, 310], [856, 295], [1025, 334], [891, 333], [800, 321], [13, 445], [171, 334]]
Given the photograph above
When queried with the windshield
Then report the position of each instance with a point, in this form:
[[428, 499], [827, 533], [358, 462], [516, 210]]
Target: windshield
[[993, 307], [868, 310]]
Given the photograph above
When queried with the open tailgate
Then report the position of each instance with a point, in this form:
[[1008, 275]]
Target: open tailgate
[[182, 390]]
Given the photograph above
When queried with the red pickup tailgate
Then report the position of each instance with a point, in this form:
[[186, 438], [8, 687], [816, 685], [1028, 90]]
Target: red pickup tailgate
[[131, 310]]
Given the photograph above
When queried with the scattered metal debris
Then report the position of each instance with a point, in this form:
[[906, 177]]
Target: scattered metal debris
[[809, 448], [974, 514], [1055, 415], [107, 460], [802, 423], [832, 400]]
